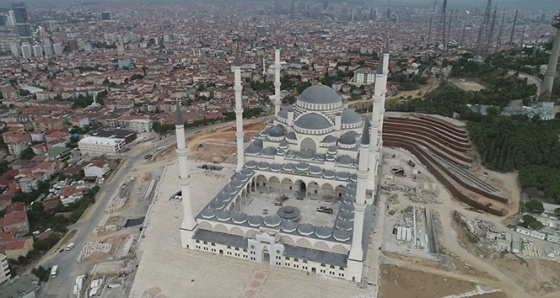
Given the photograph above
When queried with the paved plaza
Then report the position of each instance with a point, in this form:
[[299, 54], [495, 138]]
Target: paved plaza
[[168, 270], [263, 203]]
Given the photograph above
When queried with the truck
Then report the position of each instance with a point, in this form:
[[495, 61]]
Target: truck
[[54, 270]]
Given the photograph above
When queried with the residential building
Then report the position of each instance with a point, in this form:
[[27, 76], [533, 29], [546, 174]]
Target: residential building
[[363, 76], [97, 168], [15, 220], [17, 141], [100, 145], [70, 193], [58, 49], [4, 269], [26, 50], [37, 51]]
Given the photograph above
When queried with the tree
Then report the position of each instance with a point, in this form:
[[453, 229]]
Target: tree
[[534, 206], [531, 222], [27, 154], [41, 273]]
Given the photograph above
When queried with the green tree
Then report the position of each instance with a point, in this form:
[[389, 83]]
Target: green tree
[[531, 222], [42, 273], [534, 206], [27, 154]]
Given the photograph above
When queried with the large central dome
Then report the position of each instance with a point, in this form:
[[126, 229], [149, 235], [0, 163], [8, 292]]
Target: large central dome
[[319, 94]]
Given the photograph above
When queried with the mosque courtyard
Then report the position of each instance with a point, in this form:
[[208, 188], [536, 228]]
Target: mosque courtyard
[[168, 270]]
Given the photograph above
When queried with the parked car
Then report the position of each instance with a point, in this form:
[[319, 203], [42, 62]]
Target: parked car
[[324, 209]]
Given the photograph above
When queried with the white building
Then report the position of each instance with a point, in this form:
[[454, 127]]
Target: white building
[[58, 48], [26, 50], [48, 48], [96, 168], [38, 51], [364, 76], [15, 49], [100, 146], [316, 154], [4, 269]]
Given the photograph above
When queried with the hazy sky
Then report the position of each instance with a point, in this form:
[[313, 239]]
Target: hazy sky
[[529, 4]]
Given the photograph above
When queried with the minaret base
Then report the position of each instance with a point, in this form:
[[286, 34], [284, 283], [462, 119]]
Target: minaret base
[[354, 270], [187, 240]]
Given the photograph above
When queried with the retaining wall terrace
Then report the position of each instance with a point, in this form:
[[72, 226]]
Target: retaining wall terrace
[[438, 171]]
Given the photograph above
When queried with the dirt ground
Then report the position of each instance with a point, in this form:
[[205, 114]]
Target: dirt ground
[[469, 85], [404, 282], [491, 295], [220, 144], [432, 84], [540, 278]]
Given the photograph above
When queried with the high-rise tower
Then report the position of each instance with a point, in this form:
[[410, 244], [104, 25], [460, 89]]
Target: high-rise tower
[[550, 73], [23, 28], [277, 84], [189, 224], [238, 88]]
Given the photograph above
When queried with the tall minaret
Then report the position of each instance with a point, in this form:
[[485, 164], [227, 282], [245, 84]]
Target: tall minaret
[[355, 259], [277, 66], [239, 114], [379, 92], [189, 223], [385, 70]]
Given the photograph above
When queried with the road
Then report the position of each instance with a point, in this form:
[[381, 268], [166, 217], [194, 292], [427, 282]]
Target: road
[[68, 267]]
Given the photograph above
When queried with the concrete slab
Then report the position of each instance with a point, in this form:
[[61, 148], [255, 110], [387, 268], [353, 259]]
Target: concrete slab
[[172, 271]]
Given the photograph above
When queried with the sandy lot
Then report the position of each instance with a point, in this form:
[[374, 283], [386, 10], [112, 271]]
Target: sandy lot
[[468, 85], [402, 282]]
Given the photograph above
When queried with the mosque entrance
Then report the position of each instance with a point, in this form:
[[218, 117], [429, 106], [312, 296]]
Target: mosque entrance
[[221, 252], [308, 143], [266, 256], [313, 270]]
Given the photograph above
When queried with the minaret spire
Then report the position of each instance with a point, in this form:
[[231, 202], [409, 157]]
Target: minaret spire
[[239, 114], [188, 225], [355, 258], [378, 110], [277, 84]]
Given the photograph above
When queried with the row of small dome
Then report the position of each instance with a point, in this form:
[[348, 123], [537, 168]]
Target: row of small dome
[[278, 131], [342, 232], [302, 167], [316, 121]]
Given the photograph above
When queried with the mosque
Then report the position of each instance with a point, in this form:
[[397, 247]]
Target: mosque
[[303, 189]]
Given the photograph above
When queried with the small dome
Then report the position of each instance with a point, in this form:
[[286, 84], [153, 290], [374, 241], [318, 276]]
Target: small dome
[[342, 236], [291, 135], [350, 117], [347, 139], [284, 112], [329, 139], [269, 151], [312, 121], [276, 131], [305, 229], [239, 218], [306, 154], [319, 94], [345, 160]]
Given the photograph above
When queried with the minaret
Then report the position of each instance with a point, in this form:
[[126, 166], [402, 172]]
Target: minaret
[[277, 66], [189, 223], [239, 114], [355, 258], [374, 147], [385, 71], [550, 73]]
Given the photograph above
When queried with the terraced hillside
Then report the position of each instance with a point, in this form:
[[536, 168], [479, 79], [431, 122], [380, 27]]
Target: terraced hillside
[[446, 151]]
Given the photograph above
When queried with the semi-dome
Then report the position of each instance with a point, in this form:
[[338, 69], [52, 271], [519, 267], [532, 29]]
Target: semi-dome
[[319, 94], [312, 121]]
